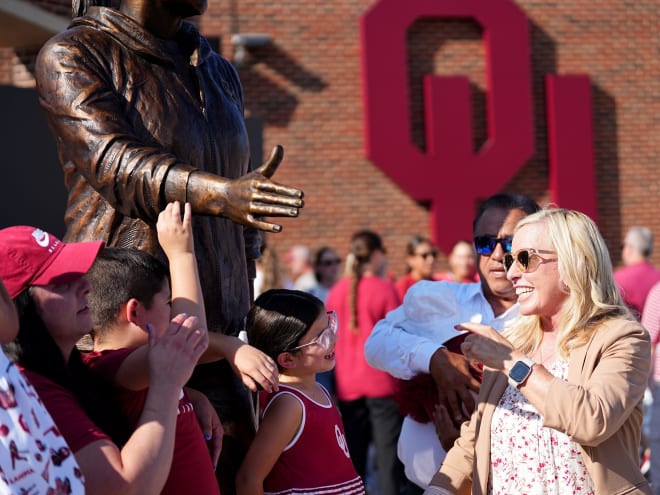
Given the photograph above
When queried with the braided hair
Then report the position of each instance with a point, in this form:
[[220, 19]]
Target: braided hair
[[363, 245]]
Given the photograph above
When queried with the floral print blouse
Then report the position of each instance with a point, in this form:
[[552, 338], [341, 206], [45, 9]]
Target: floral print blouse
[[529, 459]]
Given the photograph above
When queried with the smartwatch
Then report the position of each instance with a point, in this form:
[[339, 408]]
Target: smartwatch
[[520, 371]]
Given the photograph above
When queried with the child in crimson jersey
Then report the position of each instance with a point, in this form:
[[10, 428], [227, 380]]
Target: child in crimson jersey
[[300, 446], [130, 292]]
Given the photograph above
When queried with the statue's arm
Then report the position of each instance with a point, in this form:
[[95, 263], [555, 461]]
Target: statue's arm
[[95, 138]]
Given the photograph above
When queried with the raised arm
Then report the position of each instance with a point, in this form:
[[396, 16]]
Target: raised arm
[[175, 237], [141, 467]]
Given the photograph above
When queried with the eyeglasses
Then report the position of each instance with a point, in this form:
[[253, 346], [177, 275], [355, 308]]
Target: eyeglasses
[[332, 262], [428, 254], [528, 259], [324, 340], [486, 244]]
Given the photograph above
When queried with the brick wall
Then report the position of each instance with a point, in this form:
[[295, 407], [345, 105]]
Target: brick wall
[[307, 89]]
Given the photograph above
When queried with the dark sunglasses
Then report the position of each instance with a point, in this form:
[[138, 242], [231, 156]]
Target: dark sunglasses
[[528, 259], [486, 244], [332, 262], [428, 254]]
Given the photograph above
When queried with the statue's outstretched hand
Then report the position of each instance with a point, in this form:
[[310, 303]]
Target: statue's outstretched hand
[[255, 195], [247, 199]]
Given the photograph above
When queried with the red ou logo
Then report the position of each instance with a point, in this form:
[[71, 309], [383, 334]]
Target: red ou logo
[[449, 158]]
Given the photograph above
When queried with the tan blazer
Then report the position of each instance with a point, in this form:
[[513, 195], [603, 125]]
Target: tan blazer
[[600, 408]]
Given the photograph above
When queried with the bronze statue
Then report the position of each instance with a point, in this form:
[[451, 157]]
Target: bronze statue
[[144, 112]]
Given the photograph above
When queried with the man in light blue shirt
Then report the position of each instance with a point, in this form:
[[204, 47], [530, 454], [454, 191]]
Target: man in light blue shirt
[[410, 340]]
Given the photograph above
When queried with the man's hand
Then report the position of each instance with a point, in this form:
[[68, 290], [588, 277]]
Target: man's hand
[[445, 428], [451, 374]]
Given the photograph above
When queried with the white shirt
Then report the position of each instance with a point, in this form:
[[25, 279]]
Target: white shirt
[[404, 341], [34, 457]]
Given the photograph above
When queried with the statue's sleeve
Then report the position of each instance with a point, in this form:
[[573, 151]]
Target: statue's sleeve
[[93, 134]]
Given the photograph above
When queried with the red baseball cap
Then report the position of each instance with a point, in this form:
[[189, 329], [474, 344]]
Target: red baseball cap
[[30, 256]]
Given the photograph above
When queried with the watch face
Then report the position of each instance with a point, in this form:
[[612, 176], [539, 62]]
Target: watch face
[[519, 371]]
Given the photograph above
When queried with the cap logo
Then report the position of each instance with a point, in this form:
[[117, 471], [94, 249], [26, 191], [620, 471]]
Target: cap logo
[[41, 237]]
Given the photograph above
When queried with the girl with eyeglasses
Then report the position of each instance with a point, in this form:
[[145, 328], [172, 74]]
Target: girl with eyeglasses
[[560, 405], [300, 443]]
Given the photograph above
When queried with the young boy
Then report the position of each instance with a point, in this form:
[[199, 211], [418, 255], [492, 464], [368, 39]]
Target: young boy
[[131, 292]]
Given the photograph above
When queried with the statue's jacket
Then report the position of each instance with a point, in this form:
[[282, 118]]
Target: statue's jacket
[[129, 112]]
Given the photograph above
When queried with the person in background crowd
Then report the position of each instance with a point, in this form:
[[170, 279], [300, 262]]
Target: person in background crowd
[[32, 452], [300, 445], [365, 394], [560, 407], [420, 261], [410, 342], [327, 268], [46, 279], [269, 271], [638, 275], [651, 321], [462, 264], [300, 271]]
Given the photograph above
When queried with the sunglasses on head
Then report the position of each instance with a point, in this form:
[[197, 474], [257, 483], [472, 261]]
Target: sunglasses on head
[[486, 244], [528, 259]]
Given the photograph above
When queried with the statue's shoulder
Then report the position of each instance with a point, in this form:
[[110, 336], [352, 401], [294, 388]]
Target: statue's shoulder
[[79, 35]]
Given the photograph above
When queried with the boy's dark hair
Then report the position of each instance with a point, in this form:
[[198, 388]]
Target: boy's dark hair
[[506, 201], [279, 318], [36, 350], [120, 274]]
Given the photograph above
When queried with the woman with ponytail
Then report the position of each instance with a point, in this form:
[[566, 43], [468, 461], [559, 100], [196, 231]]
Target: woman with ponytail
[[369, 412]]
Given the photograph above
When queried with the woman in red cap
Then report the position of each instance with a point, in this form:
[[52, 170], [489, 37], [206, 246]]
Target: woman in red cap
[[46, 279]]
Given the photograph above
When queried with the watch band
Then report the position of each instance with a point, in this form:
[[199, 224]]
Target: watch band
[[520, 372]]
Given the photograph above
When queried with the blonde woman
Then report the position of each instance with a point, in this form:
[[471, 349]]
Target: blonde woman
[[560, 405]]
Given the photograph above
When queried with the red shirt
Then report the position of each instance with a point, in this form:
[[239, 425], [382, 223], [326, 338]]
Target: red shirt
[[634, 283], [354, 377], [67, 413], [317, 459], [192, 470], [404, 283]]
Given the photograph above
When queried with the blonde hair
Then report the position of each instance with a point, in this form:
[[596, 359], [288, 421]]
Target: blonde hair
[[585, 270]]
